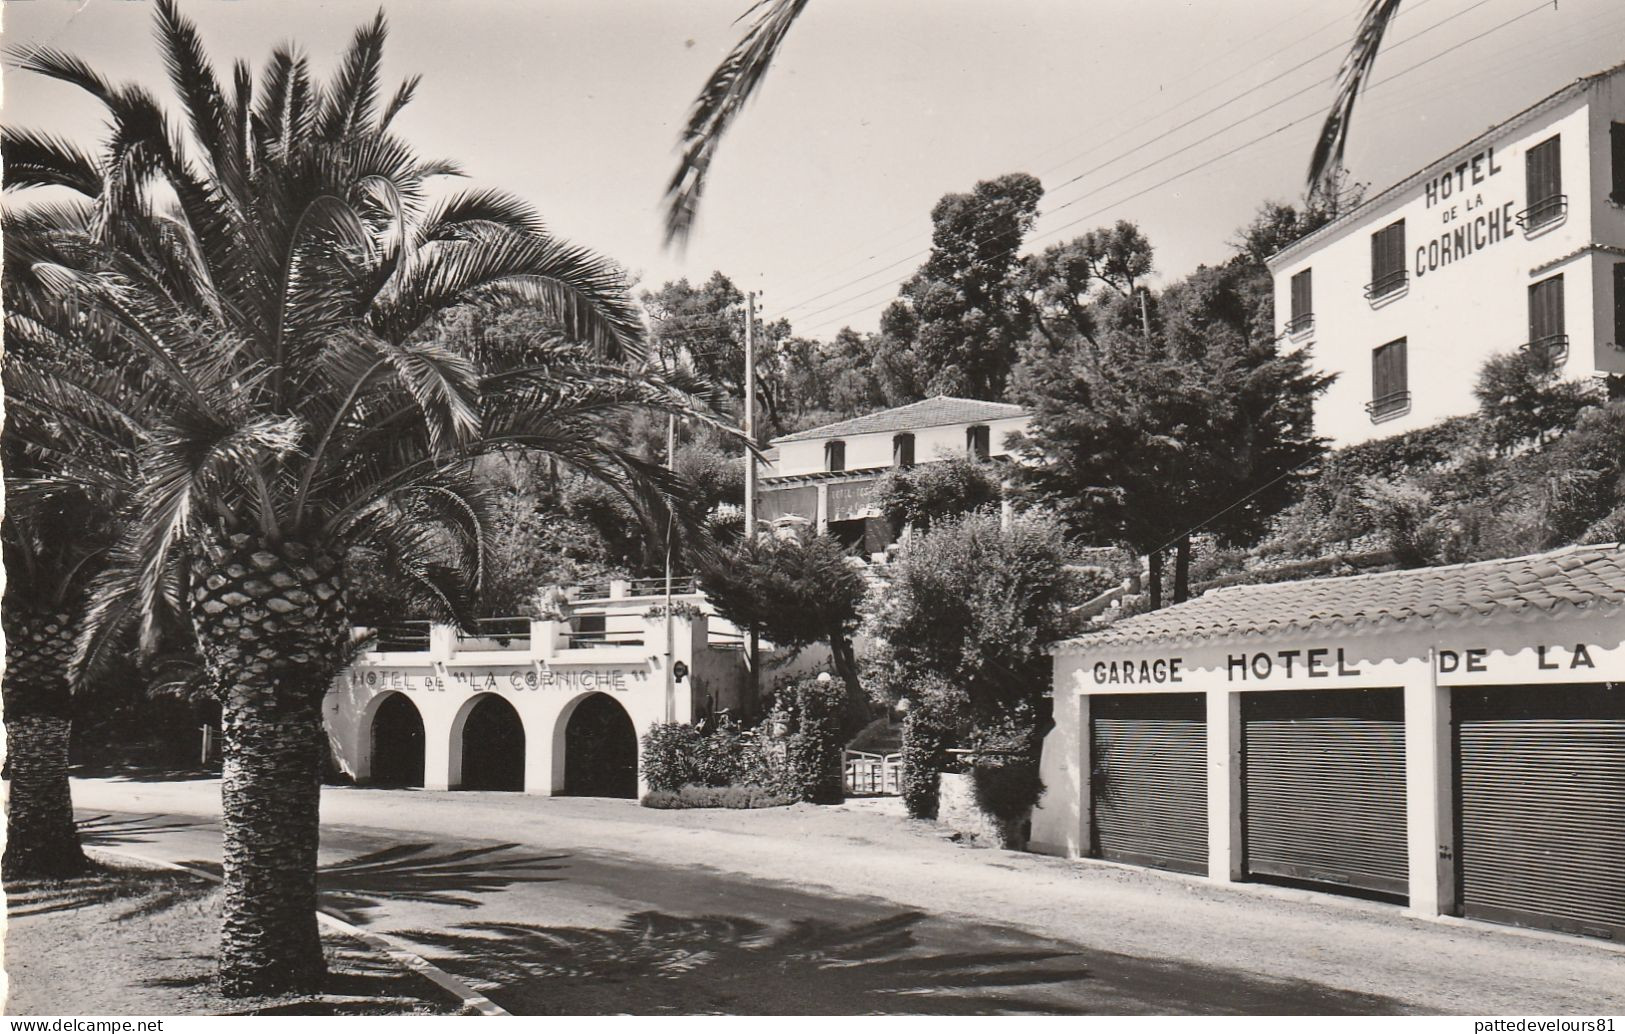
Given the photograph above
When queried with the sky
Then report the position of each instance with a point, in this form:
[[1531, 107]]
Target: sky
[[1180, 116]]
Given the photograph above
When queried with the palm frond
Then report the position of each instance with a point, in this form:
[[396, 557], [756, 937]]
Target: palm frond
[[403, 97], [730, 87], [585, 291], [1351, 81], [349, 104], [39, 160]]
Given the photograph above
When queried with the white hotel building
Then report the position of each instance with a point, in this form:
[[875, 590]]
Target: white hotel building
[[1515, 239]]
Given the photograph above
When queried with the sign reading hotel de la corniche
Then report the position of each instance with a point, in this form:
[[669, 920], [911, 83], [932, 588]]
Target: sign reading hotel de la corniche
[[1471, 223], [609, 680]]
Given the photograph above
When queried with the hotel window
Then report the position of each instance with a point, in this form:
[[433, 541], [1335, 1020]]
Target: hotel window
[[1543, 185], [978, 442], [1303, 307], [1547, 339], [1616, 138], [902, 450], [1387, 260], [1390, 381], [834, 456]]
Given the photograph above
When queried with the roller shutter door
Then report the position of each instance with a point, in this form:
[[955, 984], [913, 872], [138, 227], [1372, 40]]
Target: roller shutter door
[[1149, 785], [1324, 787], [1540, 806]]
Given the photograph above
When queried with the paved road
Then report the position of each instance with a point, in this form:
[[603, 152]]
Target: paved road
[[576, 906]]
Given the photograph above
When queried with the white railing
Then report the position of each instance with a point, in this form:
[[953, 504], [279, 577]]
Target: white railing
[[867, 773]]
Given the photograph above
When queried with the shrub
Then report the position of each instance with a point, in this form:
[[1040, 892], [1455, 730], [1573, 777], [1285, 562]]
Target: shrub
[[930, 730], [934, 491], [722, 757], [692, 796], [670, 750], [810, 766]]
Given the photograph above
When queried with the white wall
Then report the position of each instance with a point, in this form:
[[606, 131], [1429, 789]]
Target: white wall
[[875, 450], [1459, 314]]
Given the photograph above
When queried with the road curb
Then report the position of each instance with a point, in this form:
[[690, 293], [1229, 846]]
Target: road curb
[[466, 995]]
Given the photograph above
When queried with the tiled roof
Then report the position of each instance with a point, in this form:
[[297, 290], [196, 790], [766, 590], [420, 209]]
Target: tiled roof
[[1580, 578], [930, 413]]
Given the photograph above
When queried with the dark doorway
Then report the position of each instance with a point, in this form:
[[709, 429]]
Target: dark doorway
[[600, 750], [493, 746], [397, 743]]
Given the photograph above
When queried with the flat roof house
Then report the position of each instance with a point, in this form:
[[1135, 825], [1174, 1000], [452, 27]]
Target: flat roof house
[[1514, 239], [827, 475]]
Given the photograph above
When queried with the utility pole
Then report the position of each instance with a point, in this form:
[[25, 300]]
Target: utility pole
[[750, 415], [671, 633], [753, 647]]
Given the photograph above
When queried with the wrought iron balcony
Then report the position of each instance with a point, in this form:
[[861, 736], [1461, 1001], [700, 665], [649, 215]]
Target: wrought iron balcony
[[1386, 284], [1384, 407], [1544, 211], [1553, 348], [1301, 323]]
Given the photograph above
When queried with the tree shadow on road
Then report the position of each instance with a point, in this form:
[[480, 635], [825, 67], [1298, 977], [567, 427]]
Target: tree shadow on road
[[147, 893], [654, 963], [904, 963], [421, 873], [107, 830]]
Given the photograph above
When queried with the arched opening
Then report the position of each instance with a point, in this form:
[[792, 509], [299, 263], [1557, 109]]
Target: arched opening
[[493, 746], [600, 750], [397, 742]]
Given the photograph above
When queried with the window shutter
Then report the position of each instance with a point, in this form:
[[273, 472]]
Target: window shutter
[[1616, 137], [1389, 379], [1302, 298], [1387, 259], [977, 442], [834, 455], [1619, 304], [1543, 179], [1395, 257], [902, 450], [1546, 309]]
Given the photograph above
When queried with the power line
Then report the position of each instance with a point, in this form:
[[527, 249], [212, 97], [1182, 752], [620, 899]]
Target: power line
[[1176, 176], [1247, 67], [1170, 131]]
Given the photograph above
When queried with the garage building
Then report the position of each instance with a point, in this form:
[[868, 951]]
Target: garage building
[[1451, 738]]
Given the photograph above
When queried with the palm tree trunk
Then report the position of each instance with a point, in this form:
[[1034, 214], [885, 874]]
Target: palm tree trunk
[[270, 794], [41, 839], [271, 623]]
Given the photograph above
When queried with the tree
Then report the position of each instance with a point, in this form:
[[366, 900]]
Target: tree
[[1065, 282], [971, 605], [795, 593], [46, 567], [1146, 439], [702, 329], [963, 313], [739, 75], [287, 400], [1524, 401]]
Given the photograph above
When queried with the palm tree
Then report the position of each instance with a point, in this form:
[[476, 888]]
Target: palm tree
[[43, 563], [55, 535], [733, 82], [270, 301]]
